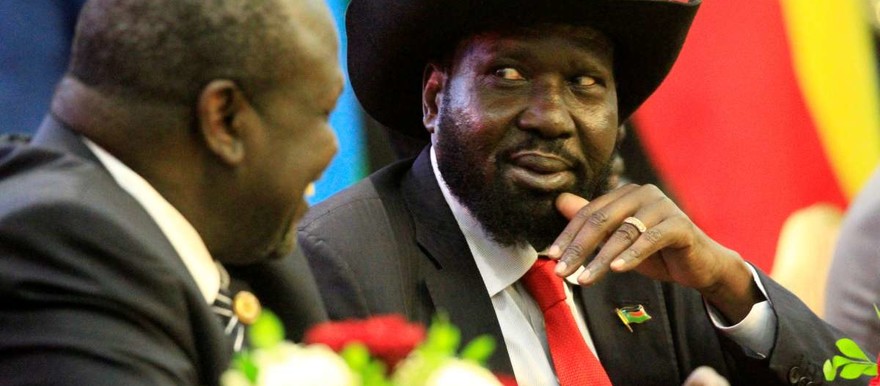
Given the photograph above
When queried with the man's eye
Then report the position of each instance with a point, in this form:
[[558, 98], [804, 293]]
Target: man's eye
[[585, 81], [508, 73]]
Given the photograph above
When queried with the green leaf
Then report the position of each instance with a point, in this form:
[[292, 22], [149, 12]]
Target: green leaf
[[371, 371], [244, 362], [838, 361], [356, 355], [267, 331], [849, 348], [829, 370], [479, 350], [443, 338], [374, 374], [853, 370], [856, 364]]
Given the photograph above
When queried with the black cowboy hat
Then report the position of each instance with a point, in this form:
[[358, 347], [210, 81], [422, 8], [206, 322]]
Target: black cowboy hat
[[391, 41]]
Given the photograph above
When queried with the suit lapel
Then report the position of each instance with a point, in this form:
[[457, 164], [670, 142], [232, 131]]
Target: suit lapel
[[455, 285], [54, 135], [649, 344], [451, 275], [208, 346]]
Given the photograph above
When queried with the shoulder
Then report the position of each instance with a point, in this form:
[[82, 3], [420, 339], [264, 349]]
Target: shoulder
[[856, 258], [360, 205], [77, 248], [57, 193], [361, 243], [30, 175], [361, 229], [65, 223], [862, 219]]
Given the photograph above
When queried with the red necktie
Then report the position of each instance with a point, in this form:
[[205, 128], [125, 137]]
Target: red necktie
[[575, 364]]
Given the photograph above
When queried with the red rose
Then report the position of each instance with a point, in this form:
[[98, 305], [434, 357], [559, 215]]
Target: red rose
[[389, 337]]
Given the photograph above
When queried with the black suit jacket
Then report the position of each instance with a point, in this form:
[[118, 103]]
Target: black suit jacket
[[91, 291], [391, 245]]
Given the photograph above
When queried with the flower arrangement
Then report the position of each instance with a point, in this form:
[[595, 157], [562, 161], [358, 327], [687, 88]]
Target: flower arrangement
[[380, 351], [854, 363]]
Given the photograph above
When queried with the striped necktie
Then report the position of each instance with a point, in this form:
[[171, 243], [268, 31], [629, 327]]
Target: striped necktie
[[222, 307]]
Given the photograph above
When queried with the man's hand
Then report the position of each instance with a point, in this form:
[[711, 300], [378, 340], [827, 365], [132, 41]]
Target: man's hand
[[672, 248], [705, 376]]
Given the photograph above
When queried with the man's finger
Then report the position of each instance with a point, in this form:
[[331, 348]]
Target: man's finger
[[572, 207], [623, 238], [569, 204], [705, 376]]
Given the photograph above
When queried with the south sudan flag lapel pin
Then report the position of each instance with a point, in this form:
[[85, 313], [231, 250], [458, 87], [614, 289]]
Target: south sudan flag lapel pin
[[632, 315]]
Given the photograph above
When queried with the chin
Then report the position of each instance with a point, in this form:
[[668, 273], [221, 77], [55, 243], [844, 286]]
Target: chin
[[287, 240], [285, 248], [238, 259], [301, 208]]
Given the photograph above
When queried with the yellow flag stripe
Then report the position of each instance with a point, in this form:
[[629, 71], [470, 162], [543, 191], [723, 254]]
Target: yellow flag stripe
[[836, 69]]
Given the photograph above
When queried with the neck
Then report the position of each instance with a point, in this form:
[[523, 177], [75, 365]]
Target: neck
[[152, 139], [120, 124]]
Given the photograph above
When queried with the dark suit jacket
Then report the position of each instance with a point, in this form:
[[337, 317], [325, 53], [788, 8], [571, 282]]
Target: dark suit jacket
[[91, 291], [391, 245]]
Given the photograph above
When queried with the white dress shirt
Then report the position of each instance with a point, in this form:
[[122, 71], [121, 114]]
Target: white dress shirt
[[180, 233], [521, 320]]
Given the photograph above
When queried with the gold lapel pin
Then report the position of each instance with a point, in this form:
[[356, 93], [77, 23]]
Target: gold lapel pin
[[246, 307], [632, 315]]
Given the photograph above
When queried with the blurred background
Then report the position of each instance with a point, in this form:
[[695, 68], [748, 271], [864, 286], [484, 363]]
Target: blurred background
[[768, 125]]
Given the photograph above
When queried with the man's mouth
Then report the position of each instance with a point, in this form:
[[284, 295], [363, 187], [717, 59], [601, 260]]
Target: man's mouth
[[542, 171]]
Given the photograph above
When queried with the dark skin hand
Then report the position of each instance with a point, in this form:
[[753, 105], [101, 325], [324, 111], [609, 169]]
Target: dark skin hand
[[671, 249]]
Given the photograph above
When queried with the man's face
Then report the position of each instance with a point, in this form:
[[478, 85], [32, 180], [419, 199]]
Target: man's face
[[299, 142], [523, 116]]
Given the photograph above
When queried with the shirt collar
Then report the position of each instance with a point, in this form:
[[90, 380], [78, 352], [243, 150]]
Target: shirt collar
[[500, 266], [179, 232]]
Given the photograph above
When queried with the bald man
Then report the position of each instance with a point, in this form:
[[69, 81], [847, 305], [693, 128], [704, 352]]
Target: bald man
[[182, 138]]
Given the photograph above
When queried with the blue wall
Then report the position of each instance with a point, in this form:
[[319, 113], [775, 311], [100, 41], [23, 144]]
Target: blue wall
[[350, 164], [34, 45]]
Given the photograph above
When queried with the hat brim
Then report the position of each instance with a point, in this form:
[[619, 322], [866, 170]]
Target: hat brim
[[391, 41]]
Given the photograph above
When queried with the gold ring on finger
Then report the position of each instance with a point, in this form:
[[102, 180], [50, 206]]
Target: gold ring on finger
[[636, 223]]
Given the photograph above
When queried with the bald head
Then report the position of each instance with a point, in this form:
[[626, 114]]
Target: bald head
[[167, 50], [221, 105]]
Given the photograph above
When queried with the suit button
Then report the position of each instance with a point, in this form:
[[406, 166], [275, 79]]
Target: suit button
[[794, 375], [804, 381]]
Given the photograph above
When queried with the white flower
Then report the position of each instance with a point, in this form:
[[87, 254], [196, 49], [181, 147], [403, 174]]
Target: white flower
[[457, 372], [234, 378], [290, 364]]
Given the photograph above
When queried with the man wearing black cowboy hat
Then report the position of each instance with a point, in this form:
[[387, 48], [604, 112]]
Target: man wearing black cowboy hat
[[521, 101]]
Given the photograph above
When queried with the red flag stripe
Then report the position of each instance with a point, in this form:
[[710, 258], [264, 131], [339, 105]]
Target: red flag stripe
[[730, 133]]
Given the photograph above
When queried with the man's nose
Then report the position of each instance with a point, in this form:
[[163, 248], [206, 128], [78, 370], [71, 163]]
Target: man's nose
[[547, 113]]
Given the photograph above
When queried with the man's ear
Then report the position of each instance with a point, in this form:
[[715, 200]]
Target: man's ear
[[433, 85], [221, 108]]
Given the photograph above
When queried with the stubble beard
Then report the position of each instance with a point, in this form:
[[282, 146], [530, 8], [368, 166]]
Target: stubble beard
[[510, 214]]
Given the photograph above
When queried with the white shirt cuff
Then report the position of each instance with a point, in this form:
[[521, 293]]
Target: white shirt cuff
[[757, 331]]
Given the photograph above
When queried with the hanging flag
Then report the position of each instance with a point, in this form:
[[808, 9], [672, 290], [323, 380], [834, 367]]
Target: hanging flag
[[771, 108], [835, 65]]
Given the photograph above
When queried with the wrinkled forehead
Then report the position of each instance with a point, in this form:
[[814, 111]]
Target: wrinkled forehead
[[583, 37]]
